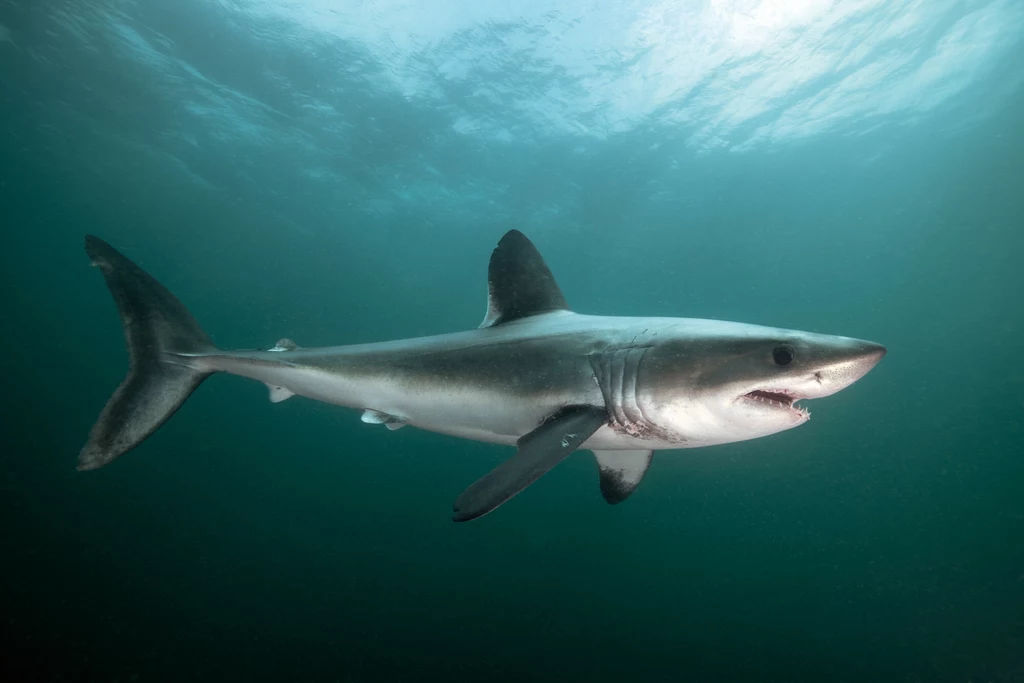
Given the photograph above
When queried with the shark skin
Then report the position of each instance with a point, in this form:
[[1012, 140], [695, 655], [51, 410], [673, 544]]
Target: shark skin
[[534, 374]]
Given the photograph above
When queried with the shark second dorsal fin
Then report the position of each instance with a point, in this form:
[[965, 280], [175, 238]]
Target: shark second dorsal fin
[[284, 345], [519, 283]]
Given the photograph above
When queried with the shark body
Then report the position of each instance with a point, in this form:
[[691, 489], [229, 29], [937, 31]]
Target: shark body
[[534, 375]]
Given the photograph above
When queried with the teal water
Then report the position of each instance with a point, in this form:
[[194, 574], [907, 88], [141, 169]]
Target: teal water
[[339, 172]]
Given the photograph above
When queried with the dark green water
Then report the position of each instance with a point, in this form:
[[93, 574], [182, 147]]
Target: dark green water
[[339, 174]]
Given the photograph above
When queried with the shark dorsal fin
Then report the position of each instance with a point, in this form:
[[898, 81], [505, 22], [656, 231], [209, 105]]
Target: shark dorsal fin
[[519, 283]]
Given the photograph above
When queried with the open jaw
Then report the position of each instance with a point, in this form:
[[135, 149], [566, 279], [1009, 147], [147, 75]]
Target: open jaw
[[780, 398]]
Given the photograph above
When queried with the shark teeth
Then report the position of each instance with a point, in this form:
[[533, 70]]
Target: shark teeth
[[779, 398]]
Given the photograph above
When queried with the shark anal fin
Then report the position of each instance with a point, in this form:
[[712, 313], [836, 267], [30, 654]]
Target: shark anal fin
[[519, 283], [621, 472], [539, 451], [377, 417], [278, 394]]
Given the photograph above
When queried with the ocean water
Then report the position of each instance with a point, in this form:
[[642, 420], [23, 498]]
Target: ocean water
[[338, 172]]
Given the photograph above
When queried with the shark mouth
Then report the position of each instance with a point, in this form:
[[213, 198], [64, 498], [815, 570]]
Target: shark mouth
[[779, 398]]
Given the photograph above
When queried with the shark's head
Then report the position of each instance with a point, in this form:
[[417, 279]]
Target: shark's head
[[738, 382]]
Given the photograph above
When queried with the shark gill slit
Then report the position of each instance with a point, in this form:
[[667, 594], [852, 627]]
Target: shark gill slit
[[616, 371], [631, 406]]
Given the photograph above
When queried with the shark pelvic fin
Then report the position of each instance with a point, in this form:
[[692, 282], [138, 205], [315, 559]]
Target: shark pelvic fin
[[621, 472], [376, 417], [278, 394], [519, 283], [539, 451]]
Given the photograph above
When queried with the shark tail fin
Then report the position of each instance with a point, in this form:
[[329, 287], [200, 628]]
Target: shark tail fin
[[157, 327]]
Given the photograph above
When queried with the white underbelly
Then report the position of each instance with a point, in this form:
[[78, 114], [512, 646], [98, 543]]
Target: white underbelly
[[475, 414]]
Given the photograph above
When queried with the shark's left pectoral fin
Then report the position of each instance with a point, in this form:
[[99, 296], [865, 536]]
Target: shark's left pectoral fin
[[539, 451], [621, 472]]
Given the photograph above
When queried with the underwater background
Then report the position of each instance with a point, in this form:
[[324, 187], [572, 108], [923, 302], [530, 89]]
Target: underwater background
[[339, 171]]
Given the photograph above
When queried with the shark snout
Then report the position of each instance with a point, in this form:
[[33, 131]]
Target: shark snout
[[866, 355], [846, 363]]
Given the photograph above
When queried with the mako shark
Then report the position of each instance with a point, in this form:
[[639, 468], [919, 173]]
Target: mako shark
[[534, 375]]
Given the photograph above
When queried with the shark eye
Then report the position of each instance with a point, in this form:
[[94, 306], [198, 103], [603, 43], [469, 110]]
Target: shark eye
[[783, 355]]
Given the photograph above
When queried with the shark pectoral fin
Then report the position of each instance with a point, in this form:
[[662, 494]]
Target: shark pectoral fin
[[278, 394], [539, 451], [621, 472], [377, 417]]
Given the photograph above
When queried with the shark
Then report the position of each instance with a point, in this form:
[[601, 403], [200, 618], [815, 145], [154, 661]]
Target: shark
[[534, 375]]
